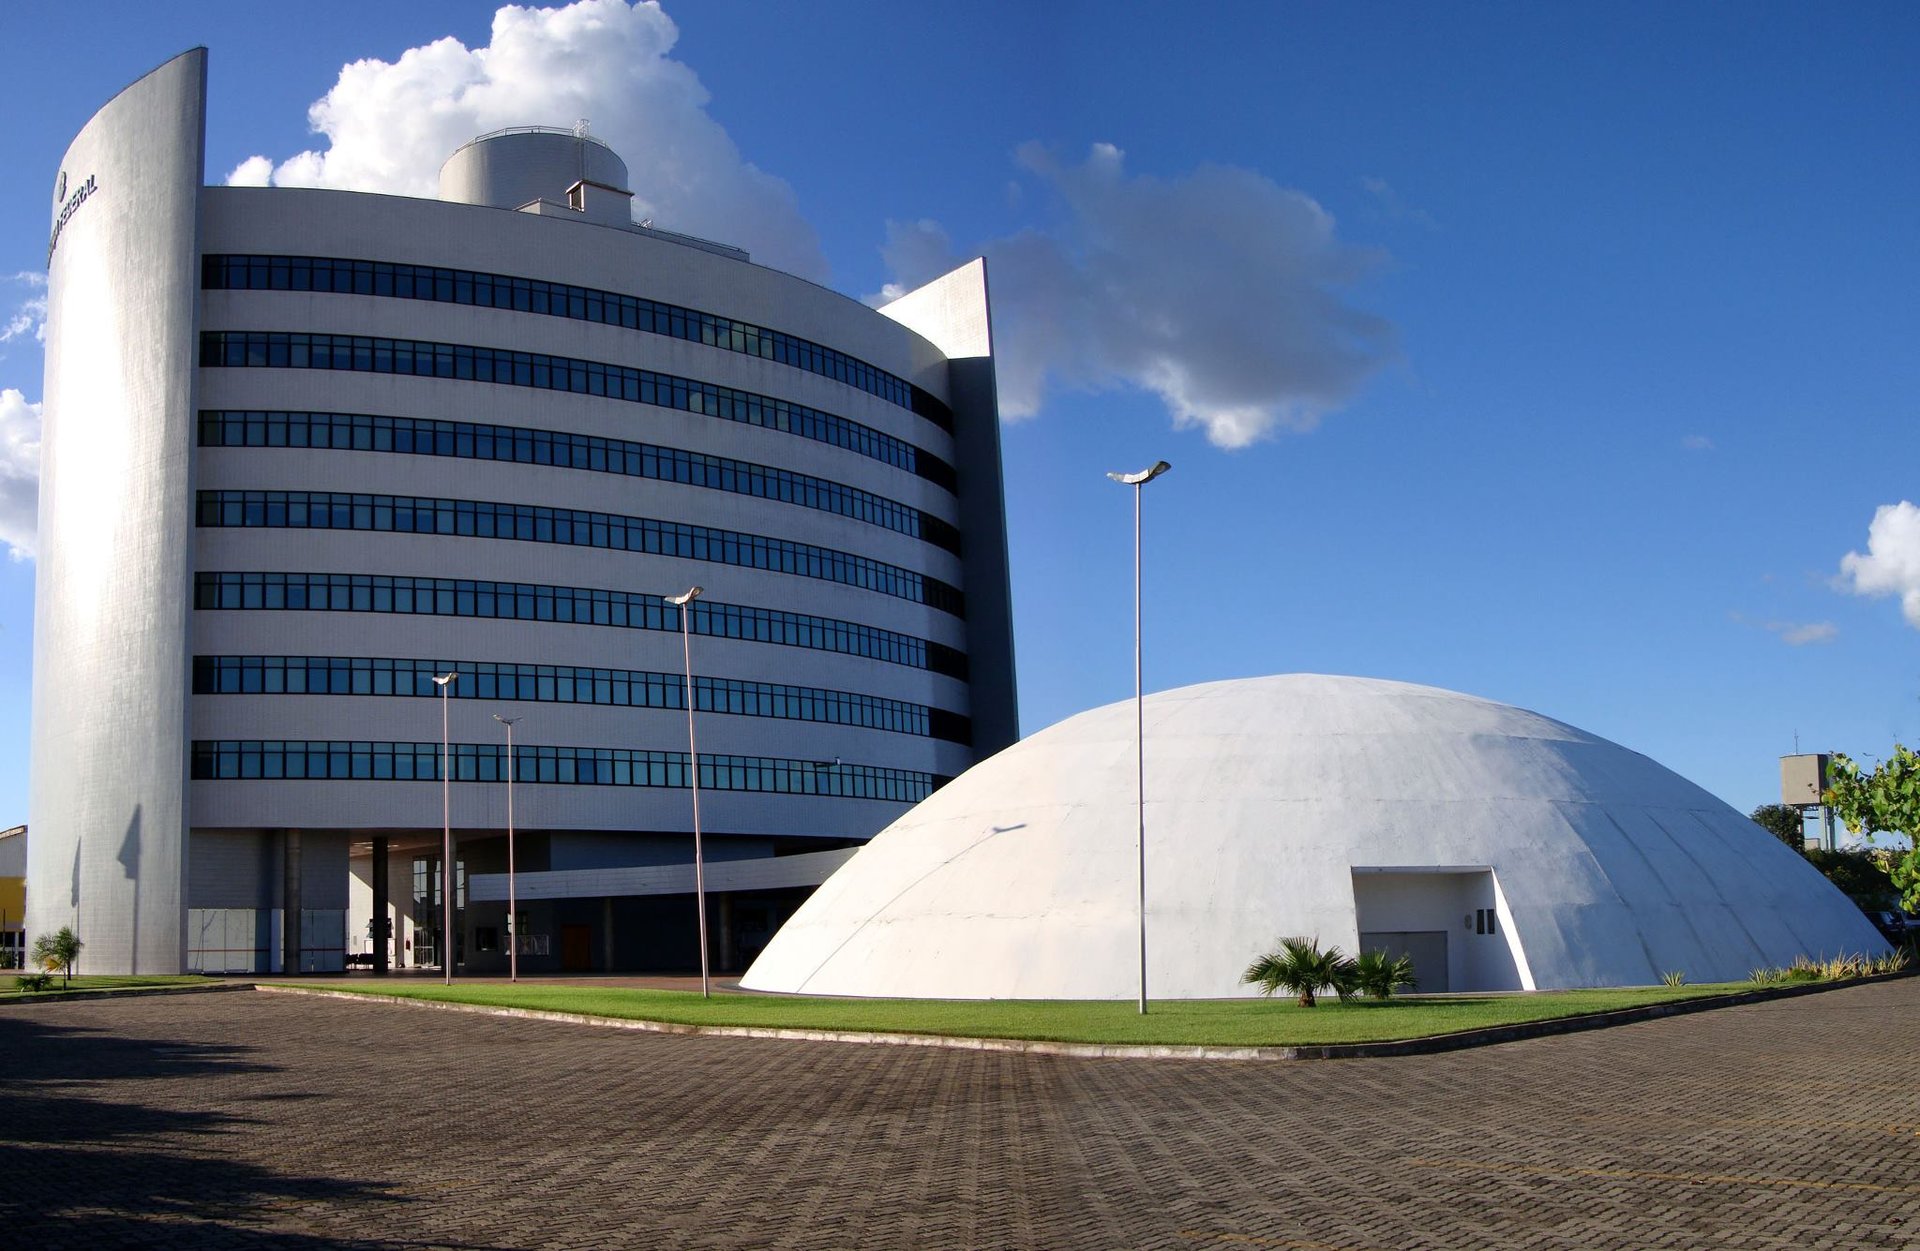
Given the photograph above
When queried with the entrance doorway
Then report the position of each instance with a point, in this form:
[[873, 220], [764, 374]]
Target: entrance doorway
[[1449, 920], [1426, 948], [576, 948], [429, 909]]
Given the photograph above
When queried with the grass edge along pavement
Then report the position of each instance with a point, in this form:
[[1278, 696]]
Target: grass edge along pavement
[[110, 986], [1226, 1029]]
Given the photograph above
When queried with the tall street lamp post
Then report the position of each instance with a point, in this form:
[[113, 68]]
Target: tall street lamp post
[[685, 604], [445, 683], [1136, 481], [513, 916]]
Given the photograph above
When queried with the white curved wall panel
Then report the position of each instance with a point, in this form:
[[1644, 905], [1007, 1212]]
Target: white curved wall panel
[[1320, 806]]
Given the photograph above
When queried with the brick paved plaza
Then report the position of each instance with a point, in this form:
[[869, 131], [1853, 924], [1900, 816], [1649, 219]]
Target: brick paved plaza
[[246, 1119]]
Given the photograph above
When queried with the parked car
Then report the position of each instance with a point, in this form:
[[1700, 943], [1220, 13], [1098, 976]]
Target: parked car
[[1893, 925]]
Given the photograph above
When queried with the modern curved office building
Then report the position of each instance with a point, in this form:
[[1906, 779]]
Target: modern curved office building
[[306, 449]]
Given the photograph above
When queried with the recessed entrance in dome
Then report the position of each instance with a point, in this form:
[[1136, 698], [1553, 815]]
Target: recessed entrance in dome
[[1451, 921]]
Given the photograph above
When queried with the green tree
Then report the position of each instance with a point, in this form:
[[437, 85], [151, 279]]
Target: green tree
[[1784, 822], [56, 953], [1884, 799], [1301, 968], [1861, 875]]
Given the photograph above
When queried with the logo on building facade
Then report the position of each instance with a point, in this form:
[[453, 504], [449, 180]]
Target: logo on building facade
[[81, 194]]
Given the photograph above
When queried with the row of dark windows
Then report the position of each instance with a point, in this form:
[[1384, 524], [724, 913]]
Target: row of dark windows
[[573, 605], [464, 440], [559, 299], [339, 761], [254, 349], [529, 523], [567, 684]]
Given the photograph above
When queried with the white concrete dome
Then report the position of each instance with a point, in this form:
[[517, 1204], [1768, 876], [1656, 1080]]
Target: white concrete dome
[[1502, 849]]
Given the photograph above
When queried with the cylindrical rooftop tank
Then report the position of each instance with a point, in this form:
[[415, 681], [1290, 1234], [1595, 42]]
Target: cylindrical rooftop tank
[[513, 167]]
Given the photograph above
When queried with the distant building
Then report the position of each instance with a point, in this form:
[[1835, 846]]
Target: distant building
[[13, 897], [304, 450]]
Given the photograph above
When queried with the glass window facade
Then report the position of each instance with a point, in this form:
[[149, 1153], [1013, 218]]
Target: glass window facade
[[528, 523], [245, 349], [566, 684], [558, 299], [342, 761], [572, 605], [413, 436]]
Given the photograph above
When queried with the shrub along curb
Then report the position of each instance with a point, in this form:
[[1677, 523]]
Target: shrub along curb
[[118, 992], [1431, 1045]]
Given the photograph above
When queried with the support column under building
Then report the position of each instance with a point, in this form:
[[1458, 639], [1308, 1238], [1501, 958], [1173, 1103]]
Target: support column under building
[[290, 901], [382, 923]]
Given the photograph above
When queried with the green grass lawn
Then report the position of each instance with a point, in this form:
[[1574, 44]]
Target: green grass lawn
[[1238, 1022], [9, 989]]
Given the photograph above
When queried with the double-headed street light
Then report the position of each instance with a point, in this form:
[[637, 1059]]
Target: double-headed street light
[[513, 917], [1136, 481], [684, 603], [445, 683]]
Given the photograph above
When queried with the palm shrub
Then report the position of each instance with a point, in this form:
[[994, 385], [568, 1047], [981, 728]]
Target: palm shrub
[[1301, 968], [56, 952], [1377, 974]]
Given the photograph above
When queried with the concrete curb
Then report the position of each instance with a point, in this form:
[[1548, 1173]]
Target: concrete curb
[[1132, 1051], [129, 992]]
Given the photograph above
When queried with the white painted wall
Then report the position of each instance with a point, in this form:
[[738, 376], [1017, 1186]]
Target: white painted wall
[[112, 582], [1263, 796]]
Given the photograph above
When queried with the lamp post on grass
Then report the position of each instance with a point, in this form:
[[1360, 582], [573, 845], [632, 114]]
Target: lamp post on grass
[[684, 602], [1136, 481], [445, 683], [513, 917]]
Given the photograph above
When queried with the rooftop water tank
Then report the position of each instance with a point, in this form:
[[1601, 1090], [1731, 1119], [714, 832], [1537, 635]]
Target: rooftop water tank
[[514, 167]]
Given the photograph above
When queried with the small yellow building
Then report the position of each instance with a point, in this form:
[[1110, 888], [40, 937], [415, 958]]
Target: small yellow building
[[13, 896]]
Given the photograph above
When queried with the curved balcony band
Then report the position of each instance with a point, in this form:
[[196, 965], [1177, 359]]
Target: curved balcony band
[[530, 523], [420, 436], [565, 605], [559, 299], [491, 680], [419, 358], [355, 761]]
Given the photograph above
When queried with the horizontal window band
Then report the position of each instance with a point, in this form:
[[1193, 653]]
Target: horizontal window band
[[341, 276], [530, 523], [214, 760], [569, 684], [565, 605], [415, 358], [421, 436]]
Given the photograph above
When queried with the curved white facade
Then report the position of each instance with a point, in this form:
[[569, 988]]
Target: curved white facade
[[112, 591], [425, 435], [1503, 849]]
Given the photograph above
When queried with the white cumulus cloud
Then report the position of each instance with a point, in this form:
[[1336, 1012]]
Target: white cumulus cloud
[[28, 320], [1891, 563], [19, 473], [390, 125], [1219, 291]]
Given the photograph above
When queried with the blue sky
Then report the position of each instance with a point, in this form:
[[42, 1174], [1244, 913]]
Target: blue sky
[[1602, 318]]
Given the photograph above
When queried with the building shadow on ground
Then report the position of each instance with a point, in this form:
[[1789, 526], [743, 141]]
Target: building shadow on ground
[[83, 1166]]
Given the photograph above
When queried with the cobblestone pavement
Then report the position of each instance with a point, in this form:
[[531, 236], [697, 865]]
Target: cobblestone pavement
[[257, 1120]]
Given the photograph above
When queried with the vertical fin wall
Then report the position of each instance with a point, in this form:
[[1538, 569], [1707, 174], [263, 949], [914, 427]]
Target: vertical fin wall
[[112, 589], [952, 312]]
